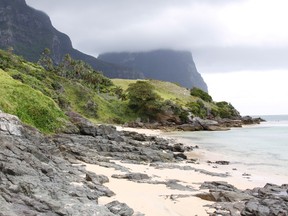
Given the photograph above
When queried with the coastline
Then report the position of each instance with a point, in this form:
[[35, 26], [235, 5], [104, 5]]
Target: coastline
[[255, 177], [150, 198], [202, 155], [74, 174]]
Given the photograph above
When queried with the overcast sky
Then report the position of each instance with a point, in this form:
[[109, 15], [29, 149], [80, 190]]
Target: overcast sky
[[239, 46]]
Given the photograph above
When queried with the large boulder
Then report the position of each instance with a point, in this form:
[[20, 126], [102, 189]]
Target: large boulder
[[193, 126], [121, 209], [10, 124], [207, 124]]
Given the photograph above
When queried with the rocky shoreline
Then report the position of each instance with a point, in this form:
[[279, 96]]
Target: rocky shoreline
[[198, 124], [45, 175]]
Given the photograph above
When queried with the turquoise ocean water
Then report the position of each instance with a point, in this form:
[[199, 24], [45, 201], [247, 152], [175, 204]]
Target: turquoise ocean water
[[261, 147]]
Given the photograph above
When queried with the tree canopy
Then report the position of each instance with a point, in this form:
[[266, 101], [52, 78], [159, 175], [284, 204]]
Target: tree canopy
[[143, 99]]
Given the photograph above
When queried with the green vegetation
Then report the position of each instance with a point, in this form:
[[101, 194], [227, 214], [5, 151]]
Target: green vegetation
[[201, 94], [143, 99], [46, 61], [197, 108], [225, 110], [195, 101], [30, 105], [166, 90], [40, 94]]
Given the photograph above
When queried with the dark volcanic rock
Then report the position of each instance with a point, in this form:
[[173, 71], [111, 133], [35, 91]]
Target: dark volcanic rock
[[95, 141], [144, 178], [175, 166], [222, 162], [41, 175], [132, 176], [228, 123], [206, 124], [249, 120], [36, 180], [194, 126], [90, 176], [271, 200], [180, 156], [174, 185], [119, 208], [178, 147], [197, 124], [218, 185]]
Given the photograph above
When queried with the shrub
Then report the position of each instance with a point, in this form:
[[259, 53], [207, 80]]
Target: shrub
[[143, 99], [176, 110], [226, 110], [197, 108], [45, 60], [201, 94]]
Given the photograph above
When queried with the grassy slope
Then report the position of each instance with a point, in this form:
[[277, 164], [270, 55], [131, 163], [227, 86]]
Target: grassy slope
[[166, 90], [33, 94], [78, 95], [30, 105]]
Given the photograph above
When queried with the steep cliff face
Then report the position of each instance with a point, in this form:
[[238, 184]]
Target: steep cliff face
[[167, 65], [29, 32]]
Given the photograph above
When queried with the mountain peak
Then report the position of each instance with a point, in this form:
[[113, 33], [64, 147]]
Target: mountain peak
[[12, 3], [163, 64]]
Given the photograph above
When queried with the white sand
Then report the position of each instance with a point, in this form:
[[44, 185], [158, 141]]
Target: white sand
[[151, 199], [148, 132], [156, 199]]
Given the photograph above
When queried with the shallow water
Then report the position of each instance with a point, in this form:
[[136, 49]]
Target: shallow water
[[262, 148]]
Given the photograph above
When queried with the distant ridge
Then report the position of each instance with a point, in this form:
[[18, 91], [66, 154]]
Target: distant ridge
[[164, 64]]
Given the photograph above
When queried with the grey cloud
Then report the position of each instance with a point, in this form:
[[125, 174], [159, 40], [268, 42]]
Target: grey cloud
[[227, 59], [129, 25], [97, 26]]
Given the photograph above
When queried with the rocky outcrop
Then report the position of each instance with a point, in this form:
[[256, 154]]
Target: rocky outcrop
[[249, 120], [271, 200], [100, 142], [198, 124], [10, 124], [35, 178], [119, 208], [132, 176]]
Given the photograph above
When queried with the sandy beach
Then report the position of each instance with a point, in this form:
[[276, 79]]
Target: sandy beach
[[155, 198]]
